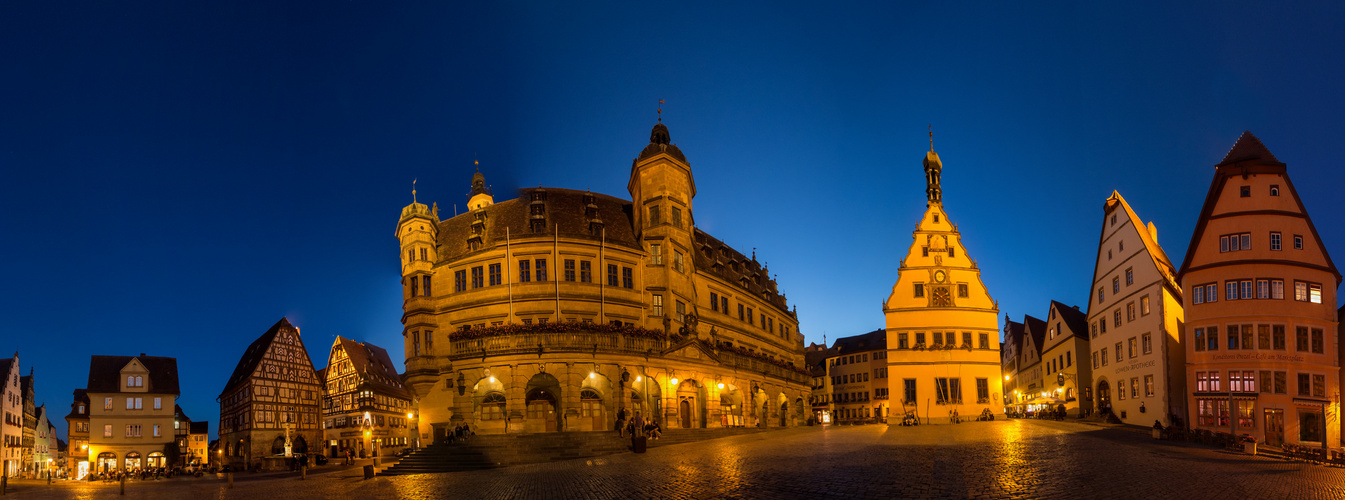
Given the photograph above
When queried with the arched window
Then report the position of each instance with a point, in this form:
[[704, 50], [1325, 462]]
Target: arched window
[[133, 460], [492, 406], [155, 460]]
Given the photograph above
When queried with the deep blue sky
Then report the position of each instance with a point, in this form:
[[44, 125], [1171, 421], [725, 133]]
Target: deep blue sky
[[177, 177]]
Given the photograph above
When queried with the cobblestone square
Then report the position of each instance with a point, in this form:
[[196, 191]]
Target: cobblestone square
[[1001, 459]]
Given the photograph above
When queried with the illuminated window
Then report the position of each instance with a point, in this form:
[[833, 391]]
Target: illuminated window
[[1148, 343], [656, 254], [657, 305], [1144, 305]]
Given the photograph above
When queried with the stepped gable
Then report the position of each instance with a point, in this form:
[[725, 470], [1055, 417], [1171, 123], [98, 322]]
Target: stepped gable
[[564, 207], [253, 355], [1248, 148], [1076, 320], [716, 258], [105, 373]]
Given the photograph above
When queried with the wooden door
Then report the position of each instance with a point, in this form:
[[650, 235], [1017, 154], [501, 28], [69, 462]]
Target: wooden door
[[1274, 427], [684, 410]]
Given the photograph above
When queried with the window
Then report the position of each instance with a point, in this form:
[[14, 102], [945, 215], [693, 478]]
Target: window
[[749, 315], [1116, 317], [1298, 242], [1233, 337], [985, 341], [585, 272], [1093, 328], [1119, 357], [460, 280], [1116, 285], [1212, 292], [1301, 339], [677, 262], [541, 270], [653, 215], [478, 277], [612, 279], [158, 403], [1095, 360], [107, 403], [657, 306], [627, 277], [1130, 276], [1148, 386], [1104, 356], [919, 290], [1317, 341], [714, 301], [107, 430], [1235, 242], [681, 311], [1130, 311], [982, 391], [962, 290], [741, 315], [1100, 295], [1198, 294], [1277, 289], [1275, 241], [1246, 286], [656, 254], [415, 286], [902, 341], [920, 338], [495, 274], [1274, 189], [676, 217], [1131, 345], [569, 270], [1314, 293], [1245, 191], [948, 390], [1230, 290], [524, 271], [1319, 386], [133, 430], [1304, 384], [156, 426], [1147, 342], [1262, 289], [1134, 387], [724, 303], [908, 390]]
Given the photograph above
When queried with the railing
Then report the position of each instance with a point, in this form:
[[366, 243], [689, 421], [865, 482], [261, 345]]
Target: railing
[[553, 342], [590, 342]]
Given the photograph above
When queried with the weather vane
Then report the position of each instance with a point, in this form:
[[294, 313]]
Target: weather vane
[[660, 110], [413, 190], [931, 137]]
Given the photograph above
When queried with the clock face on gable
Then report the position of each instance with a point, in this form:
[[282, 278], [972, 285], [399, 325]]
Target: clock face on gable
[[939, 276], [941, 297]]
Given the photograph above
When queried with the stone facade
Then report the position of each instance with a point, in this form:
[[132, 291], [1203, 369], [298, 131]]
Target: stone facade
[[270, 408], [77, 436], [556, 310], [132, 422], [857, 373], [942, 324]]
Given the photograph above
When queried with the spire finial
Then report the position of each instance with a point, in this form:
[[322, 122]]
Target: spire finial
[[413, 190], [931, 137], [660, 110], [476, 162]]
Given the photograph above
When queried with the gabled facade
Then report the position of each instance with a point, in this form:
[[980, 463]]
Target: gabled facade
[[11, 428], [44, 445], [1029, 366], [942, 326], [1009, 360], [27, 390], [857, 371], [181, 430], [1066, 374], [198, 442], [815, 359], [77, 436], [1135, 322], [1261, 315], [271, 407], [365, 408], [132, 420]]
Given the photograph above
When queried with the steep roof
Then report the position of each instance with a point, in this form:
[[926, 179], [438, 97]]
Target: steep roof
[[105, 374], [1074, 318], [374, 364], [1037, 329], [253, 355], [178, 413], [872, 341], [202, 427], [80, 396], [26, 386], [566, 212], [1253, 155], [717, 258], [1248, 147], [1151, 246]]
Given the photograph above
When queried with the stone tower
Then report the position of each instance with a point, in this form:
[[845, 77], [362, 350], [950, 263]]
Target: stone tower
[[418, 231], [661, 189]]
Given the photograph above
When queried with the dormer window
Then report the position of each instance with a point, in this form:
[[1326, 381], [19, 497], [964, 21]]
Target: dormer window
[[1274, 189], [538, 209], [539, 196], [1245, 191]]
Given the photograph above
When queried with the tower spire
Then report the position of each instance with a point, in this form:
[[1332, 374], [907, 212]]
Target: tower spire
[[933, 171], [931, 137], [413, 190], [660, 110]]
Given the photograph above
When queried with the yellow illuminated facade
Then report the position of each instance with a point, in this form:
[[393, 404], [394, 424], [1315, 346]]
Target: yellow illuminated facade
[[558, 309], [942, 326]]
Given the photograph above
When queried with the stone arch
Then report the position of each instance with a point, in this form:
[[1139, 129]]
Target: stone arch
[[782, 404], [760, 407], [107, 462], [597, 406], [542, 398], [800, 411], [731, 406], [646, 398], [690, 404], [489, 408]]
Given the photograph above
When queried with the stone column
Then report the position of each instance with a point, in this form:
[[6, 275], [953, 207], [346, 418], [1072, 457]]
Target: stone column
[[571, 381], [516, 406]]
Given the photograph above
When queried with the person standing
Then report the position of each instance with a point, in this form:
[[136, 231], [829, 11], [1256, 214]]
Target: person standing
[[621, 422]]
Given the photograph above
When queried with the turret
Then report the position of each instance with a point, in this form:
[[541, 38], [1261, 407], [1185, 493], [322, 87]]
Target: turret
[[418, 232], [481, 195], [661, 189]]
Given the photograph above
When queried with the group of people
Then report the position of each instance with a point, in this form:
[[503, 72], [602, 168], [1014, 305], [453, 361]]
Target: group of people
[[459, 433], [624, 426]]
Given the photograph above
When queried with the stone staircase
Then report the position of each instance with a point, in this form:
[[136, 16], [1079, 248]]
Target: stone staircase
[[502, 450]]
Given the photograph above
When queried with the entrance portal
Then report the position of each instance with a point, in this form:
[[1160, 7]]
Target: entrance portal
[[1103, 397], [541, 411], [1274, 427]]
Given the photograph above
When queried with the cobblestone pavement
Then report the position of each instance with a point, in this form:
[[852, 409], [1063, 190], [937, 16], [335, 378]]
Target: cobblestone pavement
[[1001, 459]]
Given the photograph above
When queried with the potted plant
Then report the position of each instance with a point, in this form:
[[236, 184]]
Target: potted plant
[[1249, 444], [1158, 430]]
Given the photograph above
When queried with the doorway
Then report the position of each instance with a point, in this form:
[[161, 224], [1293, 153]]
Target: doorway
[[684, 411], [1274, 427], [1103, 397], [541, 411]]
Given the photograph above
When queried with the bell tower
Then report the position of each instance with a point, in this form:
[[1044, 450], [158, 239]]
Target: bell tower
[[661, 189], [418, 232]]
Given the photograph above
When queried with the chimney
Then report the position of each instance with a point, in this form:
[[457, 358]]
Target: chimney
[[1153, 231], [142, 354]]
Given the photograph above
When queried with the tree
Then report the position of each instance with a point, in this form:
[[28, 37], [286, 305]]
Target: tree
[[171, 454]]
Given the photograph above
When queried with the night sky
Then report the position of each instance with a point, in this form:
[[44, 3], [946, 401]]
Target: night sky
[[175, 178]]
